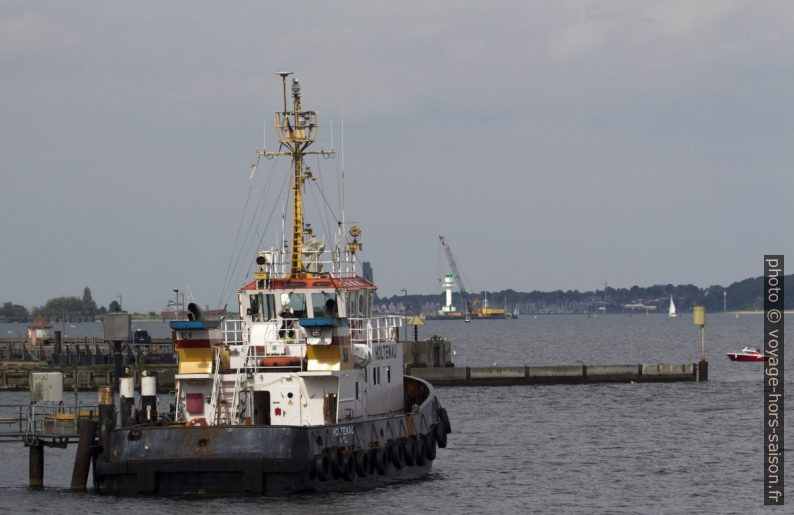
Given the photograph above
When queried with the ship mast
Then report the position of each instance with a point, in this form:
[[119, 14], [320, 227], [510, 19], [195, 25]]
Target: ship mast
[[296, 129]]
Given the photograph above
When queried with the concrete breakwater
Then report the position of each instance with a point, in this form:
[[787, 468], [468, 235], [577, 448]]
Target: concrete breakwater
[[17, 376], [430, 360], [561, 374]]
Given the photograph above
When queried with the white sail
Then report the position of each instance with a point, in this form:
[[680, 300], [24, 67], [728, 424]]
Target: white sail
[[671, 311]]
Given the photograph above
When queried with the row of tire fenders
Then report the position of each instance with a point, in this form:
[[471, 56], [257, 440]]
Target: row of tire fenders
[[417, 450]]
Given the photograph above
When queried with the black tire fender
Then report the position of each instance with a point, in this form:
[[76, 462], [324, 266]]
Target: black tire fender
[[419, 451], [409, 451], [362, 463], [441, 435], [334, 457], [445, 420], [396, 455], [322, 468], [430, 446], [379, 460], [348, 466]]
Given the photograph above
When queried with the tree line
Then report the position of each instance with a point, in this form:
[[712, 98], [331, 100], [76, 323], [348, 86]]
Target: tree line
[[745, 295], [59, 309]]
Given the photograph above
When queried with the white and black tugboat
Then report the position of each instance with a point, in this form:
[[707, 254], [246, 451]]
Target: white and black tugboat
[[305, 392]]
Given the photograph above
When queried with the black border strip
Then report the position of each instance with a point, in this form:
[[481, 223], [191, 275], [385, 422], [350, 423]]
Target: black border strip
[[773, 379]]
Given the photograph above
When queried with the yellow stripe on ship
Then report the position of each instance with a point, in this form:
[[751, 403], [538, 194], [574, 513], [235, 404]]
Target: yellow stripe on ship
[[195, 360]]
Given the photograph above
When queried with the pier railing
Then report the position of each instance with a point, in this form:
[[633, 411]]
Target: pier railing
[[43, 421]]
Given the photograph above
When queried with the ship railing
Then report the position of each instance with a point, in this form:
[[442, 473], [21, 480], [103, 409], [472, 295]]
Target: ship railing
[[337, 263], [238, 384], [289, 331], [216, 384], [292, 354], [375, 329]]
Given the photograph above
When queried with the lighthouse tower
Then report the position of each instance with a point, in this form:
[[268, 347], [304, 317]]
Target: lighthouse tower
[[447, 283]]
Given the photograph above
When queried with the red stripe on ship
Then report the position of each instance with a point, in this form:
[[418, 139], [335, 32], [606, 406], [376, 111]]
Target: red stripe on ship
[[345, 283], [340, 340], [195, 344]]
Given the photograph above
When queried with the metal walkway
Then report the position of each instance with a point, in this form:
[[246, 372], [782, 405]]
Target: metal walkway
[[43, 423]]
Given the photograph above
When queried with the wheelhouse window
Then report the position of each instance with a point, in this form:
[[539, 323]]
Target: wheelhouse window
[[293, 305], [352, 304], [262, 307], [370, 295], [324, 304], [362, 303]]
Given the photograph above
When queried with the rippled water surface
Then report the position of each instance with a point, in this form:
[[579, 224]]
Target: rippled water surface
[[667, 448]]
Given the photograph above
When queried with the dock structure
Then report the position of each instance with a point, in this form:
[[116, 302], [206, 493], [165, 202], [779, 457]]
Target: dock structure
[[430, 360], [40, 425], [47, 422], [561, 374], [16, 375]]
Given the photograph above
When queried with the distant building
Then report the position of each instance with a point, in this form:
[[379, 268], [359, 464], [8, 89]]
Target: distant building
[[366, 269]]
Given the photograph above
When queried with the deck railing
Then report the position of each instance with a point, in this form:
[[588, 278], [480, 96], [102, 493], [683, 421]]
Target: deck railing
[[290, 341], [375, 329], [335, 262]]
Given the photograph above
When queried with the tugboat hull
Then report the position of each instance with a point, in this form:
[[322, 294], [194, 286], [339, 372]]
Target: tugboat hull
[[272, 460]]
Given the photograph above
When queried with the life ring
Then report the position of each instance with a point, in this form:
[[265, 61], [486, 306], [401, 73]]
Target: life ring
[[409, 451], [321, 467], [441, 435], [378, 460], [430, 446], [396, 455], [362, 463], [200, 421]]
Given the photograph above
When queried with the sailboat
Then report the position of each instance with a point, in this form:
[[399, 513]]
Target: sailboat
[[671, 310]]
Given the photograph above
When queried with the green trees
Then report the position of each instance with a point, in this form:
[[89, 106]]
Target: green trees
[[11, 312], [67, 308], [89, 306]]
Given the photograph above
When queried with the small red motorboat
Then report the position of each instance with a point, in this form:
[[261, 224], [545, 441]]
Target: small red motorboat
[[748, 354]]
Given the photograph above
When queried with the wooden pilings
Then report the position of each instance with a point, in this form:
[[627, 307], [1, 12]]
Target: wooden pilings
[[703, 370], [36, 464], [107, 418], [82, 458]]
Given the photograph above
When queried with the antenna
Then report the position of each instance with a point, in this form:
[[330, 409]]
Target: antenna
[[284, 76], [342, 159]]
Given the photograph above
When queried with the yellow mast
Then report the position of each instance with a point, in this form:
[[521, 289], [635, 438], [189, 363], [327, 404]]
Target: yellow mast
[[297, 130]]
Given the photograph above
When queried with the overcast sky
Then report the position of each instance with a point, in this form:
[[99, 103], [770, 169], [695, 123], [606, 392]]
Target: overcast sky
[[557, 144]]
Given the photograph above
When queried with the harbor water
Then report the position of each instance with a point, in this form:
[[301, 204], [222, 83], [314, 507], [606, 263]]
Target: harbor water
[[592, 448]]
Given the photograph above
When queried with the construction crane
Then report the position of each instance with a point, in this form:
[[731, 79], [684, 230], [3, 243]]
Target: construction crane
[[456, 272]]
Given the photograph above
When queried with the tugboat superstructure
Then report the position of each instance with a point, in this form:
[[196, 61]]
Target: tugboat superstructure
[[305, 391]]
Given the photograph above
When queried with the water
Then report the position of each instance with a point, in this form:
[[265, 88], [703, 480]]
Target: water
[[665, 448]]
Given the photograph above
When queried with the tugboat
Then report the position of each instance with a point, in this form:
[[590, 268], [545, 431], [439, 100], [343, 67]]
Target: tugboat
[[305, 392]]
